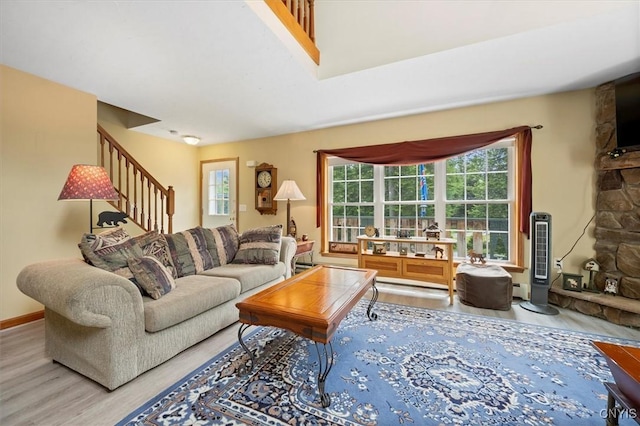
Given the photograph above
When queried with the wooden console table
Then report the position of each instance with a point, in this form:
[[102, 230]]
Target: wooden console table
[[429, 268]]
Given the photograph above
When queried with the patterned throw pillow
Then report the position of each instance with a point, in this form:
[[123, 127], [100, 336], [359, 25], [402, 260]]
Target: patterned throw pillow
[[189, 252], [155, 244], [222, 243], [152, 276], [110, 250], [260, 246]]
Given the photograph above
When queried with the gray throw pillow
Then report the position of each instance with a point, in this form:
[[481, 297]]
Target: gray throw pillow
[[260, 246], [110, 250], [152, 276]]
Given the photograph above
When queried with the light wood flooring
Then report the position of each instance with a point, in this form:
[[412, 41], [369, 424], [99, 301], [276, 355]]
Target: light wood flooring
[[36, 391]]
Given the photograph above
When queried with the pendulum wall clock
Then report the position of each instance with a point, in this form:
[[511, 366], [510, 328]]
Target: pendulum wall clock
[[266, 186]]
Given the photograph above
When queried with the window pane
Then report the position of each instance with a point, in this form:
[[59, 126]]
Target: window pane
[[408, 189], [497, 159], [429, 168], [498, 246], [366, 216], [476, 216], [392, 171], [455, 165], [455, 216], [499, 211], [408, 219], [475, 187], [498, 186], [391, 190], [408, 170], [426, 188], [426, 215], [366, 170], [338, 173], [353, 192], [338, 192], [455, 187], [353, 172], [475, 161], [367, 192]]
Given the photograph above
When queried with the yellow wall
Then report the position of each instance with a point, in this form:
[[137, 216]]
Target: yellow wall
[[46, 128], [563, 157]]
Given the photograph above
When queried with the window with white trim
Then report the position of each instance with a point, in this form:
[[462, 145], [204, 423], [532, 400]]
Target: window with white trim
[[471, 197], [219, 192]]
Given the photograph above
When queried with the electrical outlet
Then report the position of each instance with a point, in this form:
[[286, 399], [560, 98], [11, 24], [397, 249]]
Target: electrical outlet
[[557, 263]]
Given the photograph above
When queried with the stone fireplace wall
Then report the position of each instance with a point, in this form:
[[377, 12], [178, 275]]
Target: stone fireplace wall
[[617, 229]]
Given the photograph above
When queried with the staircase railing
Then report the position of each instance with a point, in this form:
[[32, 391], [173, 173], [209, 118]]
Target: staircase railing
[[298, 17], [147, 203]]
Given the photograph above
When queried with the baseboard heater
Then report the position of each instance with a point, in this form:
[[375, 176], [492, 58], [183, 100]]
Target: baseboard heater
[[521, 291]]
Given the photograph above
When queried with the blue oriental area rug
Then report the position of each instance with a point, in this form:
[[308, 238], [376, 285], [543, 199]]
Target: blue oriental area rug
[[412, 366]]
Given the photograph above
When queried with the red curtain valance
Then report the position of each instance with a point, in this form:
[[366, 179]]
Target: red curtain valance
[[430, 150]]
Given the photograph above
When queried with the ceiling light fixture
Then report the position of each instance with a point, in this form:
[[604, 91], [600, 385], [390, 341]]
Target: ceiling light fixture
[[191, 140]]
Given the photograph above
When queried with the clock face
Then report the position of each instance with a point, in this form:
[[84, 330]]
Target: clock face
[[369, 231], [264, 179]]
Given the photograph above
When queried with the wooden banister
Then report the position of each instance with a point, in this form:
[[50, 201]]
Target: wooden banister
[[298, 17], [142, 197]]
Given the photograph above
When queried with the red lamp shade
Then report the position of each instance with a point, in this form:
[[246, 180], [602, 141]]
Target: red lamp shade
[[86, 182]]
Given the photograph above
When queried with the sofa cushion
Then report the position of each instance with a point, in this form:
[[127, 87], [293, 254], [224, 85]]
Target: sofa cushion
[[222, 243], [189, 252], [260, 246], [250, 276], [155, 244], [151, 276], [193, 295], [110, 250]]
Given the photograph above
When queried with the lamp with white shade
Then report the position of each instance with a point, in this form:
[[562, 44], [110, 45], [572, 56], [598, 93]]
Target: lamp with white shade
[[289, 191]]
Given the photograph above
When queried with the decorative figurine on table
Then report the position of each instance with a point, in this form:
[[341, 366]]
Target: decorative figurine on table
[[403, 233], [439, 251], [476, 257], [293, 229], [611, 286], [592, 266], [432, 232]]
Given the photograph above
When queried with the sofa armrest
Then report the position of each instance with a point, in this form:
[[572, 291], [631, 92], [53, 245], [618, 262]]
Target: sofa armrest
[[287, 251], [82, 293]]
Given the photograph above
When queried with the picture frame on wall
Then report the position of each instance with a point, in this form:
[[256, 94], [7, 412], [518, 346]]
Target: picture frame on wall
[[571, 282]]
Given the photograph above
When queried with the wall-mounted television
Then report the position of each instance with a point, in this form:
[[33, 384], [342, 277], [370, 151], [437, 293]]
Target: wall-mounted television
[[628, 111]]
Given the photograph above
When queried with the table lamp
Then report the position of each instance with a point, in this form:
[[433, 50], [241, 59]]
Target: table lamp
[[289, 191], [87, 182]]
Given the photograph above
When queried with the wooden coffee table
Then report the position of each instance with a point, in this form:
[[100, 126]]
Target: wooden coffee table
[[312, 305]]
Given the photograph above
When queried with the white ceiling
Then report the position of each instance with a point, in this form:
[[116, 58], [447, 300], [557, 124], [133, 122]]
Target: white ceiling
[[225, 70]]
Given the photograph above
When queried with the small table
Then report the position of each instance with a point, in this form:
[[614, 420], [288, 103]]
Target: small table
[[312, 305], [624, 363], [304, 248]]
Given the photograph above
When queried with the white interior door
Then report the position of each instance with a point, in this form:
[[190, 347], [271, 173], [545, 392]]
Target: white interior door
[[219, 192]]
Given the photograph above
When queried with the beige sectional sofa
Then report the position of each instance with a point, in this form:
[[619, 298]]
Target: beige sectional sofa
[[100, 324]]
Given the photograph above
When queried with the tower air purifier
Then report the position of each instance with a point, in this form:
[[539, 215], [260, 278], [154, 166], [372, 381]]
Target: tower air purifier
[[540, 265]]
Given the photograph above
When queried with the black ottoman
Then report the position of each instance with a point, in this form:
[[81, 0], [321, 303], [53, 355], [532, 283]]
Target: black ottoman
[[484, 286]]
